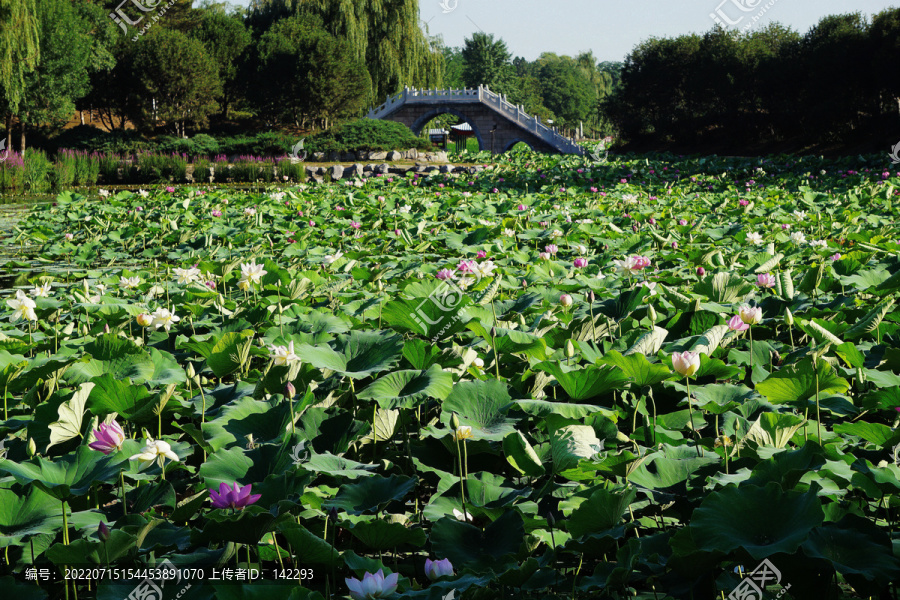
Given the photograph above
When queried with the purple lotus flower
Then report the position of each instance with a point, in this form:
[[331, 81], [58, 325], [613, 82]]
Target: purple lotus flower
[[435, 569], [232, 497], [109, 437], [373, 585]]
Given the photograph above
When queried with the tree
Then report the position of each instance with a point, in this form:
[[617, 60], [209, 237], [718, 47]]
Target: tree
[[179, 80], [19, 54], [385, 35], [225, 38], [487, 61], [567, 90], [67, 57], [305, 72]]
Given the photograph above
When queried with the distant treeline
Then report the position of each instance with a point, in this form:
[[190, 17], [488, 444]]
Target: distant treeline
[[837, 84]]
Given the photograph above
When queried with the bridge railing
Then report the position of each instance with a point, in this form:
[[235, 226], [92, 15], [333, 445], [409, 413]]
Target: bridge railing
[[496, 101]]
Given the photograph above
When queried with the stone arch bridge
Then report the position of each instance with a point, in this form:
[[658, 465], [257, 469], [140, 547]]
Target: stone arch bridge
[[484, 110]]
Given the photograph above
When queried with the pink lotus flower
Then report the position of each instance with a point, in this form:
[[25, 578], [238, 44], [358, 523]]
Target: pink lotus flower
[[372, 586], [580, 263], [435, 569], [216, 213], [751, 315], [743, 202], [355, 225], [593, 189], [736, 324], [701, 271], [686, 363], [551, 248], [170, 189], [481, 254], [396, 232], [521, 207], [682, 221], [109, 437], [233, 497], [467, 266], [765, 280], [312, 223], [566, 300], [69, 237], [544, 256], [835, 257], [444, 274]]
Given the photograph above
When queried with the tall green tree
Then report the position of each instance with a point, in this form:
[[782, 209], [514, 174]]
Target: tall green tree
[[487, 61], [179, 81], [567, 90], [19, 54], [226, 39]]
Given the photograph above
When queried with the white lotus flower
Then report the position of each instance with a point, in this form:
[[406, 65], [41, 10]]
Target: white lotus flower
[[798, 238], [284, 355], [23, 307], [405, 209], [41, 291], [754, 238], [331, 258], [129, 283], [162, 317], [800, 214], [252, 272], [187, 276], [157, 450]]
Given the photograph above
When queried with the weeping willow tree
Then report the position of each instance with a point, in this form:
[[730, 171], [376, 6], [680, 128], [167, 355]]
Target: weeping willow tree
[[19, 48], [384, 34]]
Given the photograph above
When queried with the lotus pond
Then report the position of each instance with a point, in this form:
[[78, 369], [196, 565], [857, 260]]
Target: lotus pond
[[555, 378]]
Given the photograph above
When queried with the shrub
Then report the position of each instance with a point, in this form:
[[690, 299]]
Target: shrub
[[366, 134], [37, 171], [11, 171], [86, 137]]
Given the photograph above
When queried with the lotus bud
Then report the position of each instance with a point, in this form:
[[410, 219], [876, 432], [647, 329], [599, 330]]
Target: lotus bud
[[651, 314], [189, 370], [566, 300], [454, 421], [551, 520], [788, 317], [106, 328], [570, 349], [32, 447], [103, 532], [333, 514], [289, 390], [493, 332], [591, 296], [522, 324]]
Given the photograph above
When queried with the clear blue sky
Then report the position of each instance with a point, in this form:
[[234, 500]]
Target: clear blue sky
[[611, 28]]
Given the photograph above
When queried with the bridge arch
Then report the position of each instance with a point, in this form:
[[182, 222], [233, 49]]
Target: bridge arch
[[419, 123], [513, 143]]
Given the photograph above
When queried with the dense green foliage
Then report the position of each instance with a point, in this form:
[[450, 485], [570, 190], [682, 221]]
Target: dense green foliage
[[835, 84], [366, 134], [486, 368]]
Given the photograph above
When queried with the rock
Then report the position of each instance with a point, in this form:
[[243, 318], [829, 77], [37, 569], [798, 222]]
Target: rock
[[368, 168], [320, 171], [460, 170], [354, 170], [318, 156], [348, 156], [334, 156], [382, 168], [440, 156], [336, 172], [394, 155], [311, 172], [412, 154], [446, 168], [362, 155], [377, 155], [400, 170], [473, 170]]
